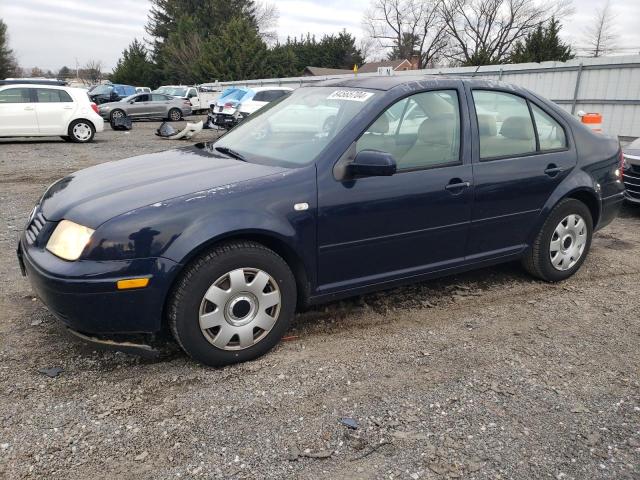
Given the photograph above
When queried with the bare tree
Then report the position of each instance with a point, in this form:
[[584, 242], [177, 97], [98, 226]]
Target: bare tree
[[601, 36], [92, 71], [483, 31], [267, 16], [408, 28]]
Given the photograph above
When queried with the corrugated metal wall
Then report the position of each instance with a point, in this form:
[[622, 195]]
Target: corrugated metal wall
[[607, 85]]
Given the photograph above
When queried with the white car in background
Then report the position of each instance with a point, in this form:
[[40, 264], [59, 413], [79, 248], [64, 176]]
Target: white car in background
[[29, 110], [261, 97]]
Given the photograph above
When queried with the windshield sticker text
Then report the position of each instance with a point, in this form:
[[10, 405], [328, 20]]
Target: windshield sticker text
[[351, 95]]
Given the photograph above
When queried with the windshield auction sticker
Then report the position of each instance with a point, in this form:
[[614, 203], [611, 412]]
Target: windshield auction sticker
[[351, 95]]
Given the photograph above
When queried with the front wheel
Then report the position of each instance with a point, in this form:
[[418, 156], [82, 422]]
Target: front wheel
[[232, 304], [563, 243], [81, 131]]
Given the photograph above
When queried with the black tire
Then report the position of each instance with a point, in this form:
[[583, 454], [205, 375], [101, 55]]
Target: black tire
[[175, 115], [537, 260], [84, 126], [186, 298], [116, 113]]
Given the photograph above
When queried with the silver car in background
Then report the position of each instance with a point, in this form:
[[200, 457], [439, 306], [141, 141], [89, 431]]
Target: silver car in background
[[147, 105], [631, 171]]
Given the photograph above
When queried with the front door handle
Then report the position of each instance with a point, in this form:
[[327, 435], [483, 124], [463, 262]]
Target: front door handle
[[28, 108], [457, 184], [552, 170]]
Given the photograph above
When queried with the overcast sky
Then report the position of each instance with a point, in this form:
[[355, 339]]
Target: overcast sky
[[52, 33]]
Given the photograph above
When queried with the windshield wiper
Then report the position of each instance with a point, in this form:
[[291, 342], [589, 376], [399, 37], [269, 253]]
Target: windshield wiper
[[231, 153]]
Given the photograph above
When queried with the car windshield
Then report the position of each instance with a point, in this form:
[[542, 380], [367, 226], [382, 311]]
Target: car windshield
[[291, 132], [175, 92], [236, 94], [102, 89]]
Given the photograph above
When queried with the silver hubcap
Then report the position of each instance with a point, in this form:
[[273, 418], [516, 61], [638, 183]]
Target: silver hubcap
[[82, 131], [117, 114], [568, 242], [175, 115], [240, 309]]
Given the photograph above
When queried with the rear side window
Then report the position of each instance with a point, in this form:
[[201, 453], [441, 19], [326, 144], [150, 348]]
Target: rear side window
[[262, 96], [420, 131], [550, 133], [504, 124], [15, 95], [159, 98], [48, 95]]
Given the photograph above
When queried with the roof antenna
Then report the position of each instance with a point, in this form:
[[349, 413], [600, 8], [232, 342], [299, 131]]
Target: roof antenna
[[475, 71]]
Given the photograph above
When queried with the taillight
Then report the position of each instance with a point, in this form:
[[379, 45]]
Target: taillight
[[94, 107]]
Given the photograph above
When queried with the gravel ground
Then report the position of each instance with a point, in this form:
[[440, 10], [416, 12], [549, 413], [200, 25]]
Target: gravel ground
[[490, 374]]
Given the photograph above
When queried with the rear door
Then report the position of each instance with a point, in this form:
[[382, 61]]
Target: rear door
[[17, 112], [521, 154], [160, 104], [54, 109]]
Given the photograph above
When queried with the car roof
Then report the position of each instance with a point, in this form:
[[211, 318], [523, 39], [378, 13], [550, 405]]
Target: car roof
[[261, 89], [380, 82]]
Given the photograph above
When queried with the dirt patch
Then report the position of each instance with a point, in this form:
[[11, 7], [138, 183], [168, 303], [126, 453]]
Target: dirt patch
[[490, 374]]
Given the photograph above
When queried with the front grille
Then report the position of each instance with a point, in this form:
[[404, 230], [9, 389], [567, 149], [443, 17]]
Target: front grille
[[35, 227]]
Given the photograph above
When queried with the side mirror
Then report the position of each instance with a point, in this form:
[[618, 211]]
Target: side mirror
[[372, 163]]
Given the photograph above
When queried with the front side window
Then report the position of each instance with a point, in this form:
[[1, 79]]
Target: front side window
[[15, 95], [550, 133], [142, 98], [504, 124], [48, 95], [420, 131]]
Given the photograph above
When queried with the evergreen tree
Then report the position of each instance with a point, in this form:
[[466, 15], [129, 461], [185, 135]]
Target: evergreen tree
[[134, 68], [542, 45], [238, 53], [8, 65]]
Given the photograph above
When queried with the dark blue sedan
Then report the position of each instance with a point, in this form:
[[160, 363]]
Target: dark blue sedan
[[339, 189]]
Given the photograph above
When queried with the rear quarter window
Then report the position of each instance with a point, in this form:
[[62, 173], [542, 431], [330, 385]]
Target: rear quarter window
[[49, 95]]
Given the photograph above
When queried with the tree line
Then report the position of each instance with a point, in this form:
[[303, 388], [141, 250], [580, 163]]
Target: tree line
[[196, 41]]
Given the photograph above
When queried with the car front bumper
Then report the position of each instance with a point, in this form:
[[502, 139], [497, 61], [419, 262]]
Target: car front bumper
[[223, 120], [85, 297]]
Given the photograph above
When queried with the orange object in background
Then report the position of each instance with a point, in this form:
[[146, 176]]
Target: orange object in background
[[593, 121]]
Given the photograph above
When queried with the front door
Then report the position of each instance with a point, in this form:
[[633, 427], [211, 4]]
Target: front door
[[375, 229], [17, 113], [141, 106], [522, 154]]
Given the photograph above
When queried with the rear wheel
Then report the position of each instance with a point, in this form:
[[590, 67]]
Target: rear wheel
[[175, 114], [563, 242], [232, 304], [81, 131]]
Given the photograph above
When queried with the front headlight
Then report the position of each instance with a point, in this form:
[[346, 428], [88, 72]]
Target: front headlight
[[68, 240]]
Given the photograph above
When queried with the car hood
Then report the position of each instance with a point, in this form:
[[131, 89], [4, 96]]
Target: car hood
[[113, 104], [94, 195]]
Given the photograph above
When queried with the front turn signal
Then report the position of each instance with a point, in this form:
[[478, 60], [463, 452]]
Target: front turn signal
[[130, 283]]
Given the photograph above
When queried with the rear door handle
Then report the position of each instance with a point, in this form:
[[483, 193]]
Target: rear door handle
[[458, 185], [552, 170]]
